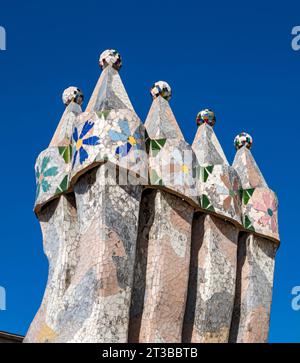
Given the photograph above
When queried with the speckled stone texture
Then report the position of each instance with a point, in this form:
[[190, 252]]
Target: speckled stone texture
[[161, 271], [207, 147], [250, 323], [212, 280], [59, 226], [63, 132], [98, 300]]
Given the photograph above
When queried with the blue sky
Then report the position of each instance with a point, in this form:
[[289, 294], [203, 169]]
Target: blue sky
[[234, 57]]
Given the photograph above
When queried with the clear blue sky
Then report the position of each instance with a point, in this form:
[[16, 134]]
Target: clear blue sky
[[234, 57]]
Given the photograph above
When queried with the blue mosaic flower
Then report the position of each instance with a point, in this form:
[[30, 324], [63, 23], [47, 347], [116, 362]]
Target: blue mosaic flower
[[83, 140], [125, 135]]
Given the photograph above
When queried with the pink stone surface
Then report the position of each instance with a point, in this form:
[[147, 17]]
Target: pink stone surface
[[212, 281], [166, 281], [255, 272]]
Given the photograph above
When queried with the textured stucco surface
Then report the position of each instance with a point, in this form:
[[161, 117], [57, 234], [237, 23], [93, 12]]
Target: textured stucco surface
[[94, 306], [107, 251], [60, 238], [250, 323], [212, 280], [161, 271]]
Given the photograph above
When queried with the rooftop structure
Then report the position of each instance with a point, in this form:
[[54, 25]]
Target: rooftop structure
[[150, 239]]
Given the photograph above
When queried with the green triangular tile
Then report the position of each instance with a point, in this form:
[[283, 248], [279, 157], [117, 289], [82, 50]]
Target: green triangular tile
[[65, 152], [104, 114], [205, 171], [247, 194], [206, 203], [63, 186], [248, 224]]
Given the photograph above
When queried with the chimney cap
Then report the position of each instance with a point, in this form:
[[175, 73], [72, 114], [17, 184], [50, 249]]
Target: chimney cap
[[72, 94], [161, 88], [206, 116], [110, 57], [243, 139]]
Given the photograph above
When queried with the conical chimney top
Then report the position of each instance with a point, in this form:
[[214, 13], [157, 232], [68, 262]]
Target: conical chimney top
[[245, 165], [109, 93], [206, 145], [161, 122]]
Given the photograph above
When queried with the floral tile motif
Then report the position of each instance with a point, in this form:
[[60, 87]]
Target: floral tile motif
[[52, 173], [219, 190], [117, 136], [232, 192], [80, 142], [128, 140], [268, 206], [43, 176], [260, 209], [171, 163]]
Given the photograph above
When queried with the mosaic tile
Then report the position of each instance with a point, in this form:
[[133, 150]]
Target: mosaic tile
[[260, 205], [150, 239], [218, 182]]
